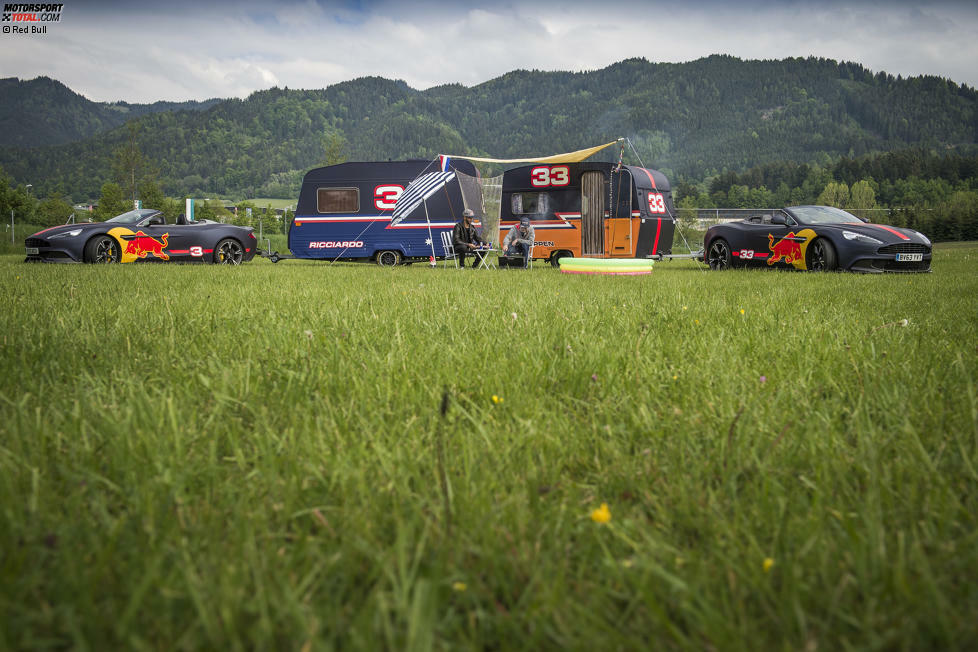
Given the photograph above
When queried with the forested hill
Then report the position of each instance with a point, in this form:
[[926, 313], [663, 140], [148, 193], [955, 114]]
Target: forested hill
[[43, 111], [691, 119]]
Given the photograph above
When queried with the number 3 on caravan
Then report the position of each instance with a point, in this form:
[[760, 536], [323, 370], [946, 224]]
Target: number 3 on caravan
[[385, 197], [559, 175], [656, 203]]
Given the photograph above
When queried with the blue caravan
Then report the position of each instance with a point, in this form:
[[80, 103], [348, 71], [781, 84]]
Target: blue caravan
[[345, 211]]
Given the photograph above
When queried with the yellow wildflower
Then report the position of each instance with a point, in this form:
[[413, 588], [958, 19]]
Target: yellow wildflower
[[602, 514], [496, 399], [768, 563], [741, 311], [459, 586]]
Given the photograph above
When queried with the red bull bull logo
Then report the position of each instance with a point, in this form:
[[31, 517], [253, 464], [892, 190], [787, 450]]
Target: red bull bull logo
[[787, 248], [141, 245], [790, 249]]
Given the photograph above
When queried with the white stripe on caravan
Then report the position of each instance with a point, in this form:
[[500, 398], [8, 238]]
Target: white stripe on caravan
[[424, 185], [375, 218], [419, 190], [364, 218], [422, 225]]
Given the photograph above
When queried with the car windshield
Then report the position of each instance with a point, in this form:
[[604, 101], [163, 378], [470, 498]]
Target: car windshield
[[128, 218], [822, 215]]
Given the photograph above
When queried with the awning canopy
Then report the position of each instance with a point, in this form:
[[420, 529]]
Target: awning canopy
[[569, 157]]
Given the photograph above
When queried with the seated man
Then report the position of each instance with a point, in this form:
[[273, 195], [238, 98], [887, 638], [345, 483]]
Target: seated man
[[466, 239], [519, 240]]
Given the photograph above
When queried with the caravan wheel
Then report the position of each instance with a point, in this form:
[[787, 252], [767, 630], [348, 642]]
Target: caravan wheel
[[557, 255], [388, 258]]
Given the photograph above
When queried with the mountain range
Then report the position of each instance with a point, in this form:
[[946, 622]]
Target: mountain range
[[693, 120]]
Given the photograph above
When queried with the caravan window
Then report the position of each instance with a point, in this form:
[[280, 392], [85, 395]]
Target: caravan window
[[338, 200], [530, 203]]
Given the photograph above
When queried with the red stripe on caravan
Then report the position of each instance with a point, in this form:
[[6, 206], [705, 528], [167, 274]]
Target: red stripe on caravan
[[654, 187], [658, 227]]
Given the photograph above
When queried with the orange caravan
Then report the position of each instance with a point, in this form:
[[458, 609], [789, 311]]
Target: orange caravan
[[590, 210]]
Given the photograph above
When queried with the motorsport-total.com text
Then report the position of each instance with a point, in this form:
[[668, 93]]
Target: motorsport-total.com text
[[31, 13]]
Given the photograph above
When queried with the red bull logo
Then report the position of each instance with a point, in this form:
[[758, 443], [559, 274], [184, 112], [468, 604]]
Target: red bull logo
[[142, 245], [787, 248], [791, 248]]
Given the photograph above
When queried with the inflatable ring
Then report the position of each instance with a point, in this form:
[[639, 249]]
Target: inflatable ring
[[606, 266]]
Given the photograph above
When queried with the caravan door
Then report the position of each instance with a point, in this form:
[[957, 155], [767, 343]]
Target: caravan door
[[593, 194], [619, 227]]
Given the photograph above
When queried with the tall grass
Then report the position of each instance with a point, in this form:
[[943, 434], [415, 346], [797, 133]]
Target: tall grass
[[256, 457], [21, 231]]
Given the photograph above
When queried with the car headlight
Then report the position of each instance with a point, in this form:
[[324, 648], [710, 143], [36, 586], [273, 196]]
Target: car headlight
[[849, 235], [924, 238], [66, 234]]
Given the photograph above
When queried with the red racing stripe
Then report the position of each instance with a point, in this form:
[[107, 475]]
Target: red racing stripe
[[658, 228], [654, 187], [880, 226]]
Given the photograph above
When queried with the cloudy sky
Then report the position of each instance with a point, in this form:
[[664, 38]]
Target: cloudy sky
[[178, 50]]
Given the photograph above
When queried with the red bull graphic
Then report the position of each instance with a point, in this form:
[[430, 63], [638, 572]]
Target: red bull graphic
[[791, 248], [141, 245]]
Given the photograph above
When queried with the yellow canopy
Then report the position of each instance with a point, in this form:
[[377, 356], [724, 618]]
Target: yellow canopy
[[569, 157]]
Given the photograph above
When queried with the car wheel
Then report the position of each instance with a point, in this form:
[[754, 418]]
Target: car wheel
[[718, 257], [388, 258], [103, 249], [228, 252], [821, 256]]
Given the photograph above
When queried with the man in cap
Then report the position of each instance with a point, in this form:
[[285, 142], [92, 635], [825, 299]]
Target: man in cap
[[466, 239], [519, 240]]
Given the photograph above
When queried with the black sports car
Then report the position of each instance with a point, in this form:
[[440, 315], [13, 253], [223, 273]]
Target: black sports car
[[143, 235], [816, 238]]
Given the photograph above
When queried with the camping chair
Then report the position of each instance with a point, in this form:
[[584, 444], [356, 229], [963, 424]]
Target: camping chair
[[446, 245]]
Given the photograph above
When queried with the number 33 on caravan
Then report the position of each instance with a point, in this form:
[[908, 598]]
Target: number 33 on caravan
[[656, 203], [559, 175]]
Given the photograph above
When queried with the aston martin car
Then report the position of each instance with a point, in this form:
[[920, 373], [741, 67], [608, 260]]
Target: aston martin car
[[815, 238], [143, 235]]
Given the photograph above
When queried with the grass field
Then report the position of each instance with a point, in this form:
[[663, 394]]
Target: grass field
[[194, 457], [262, 202]]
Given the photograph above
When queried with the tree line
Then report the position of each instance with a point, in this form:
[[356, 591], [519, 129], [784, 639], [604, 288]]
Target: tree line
[[692, 120], [934, 193]]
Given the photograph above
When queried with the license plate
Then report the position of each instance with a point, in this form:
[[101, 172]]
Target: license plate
[[909, 258], [32, 251]]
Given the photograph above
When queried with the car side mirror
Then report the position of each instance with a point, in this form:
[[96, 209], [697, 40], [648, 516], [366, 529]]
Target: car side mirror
[[778, 219]]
